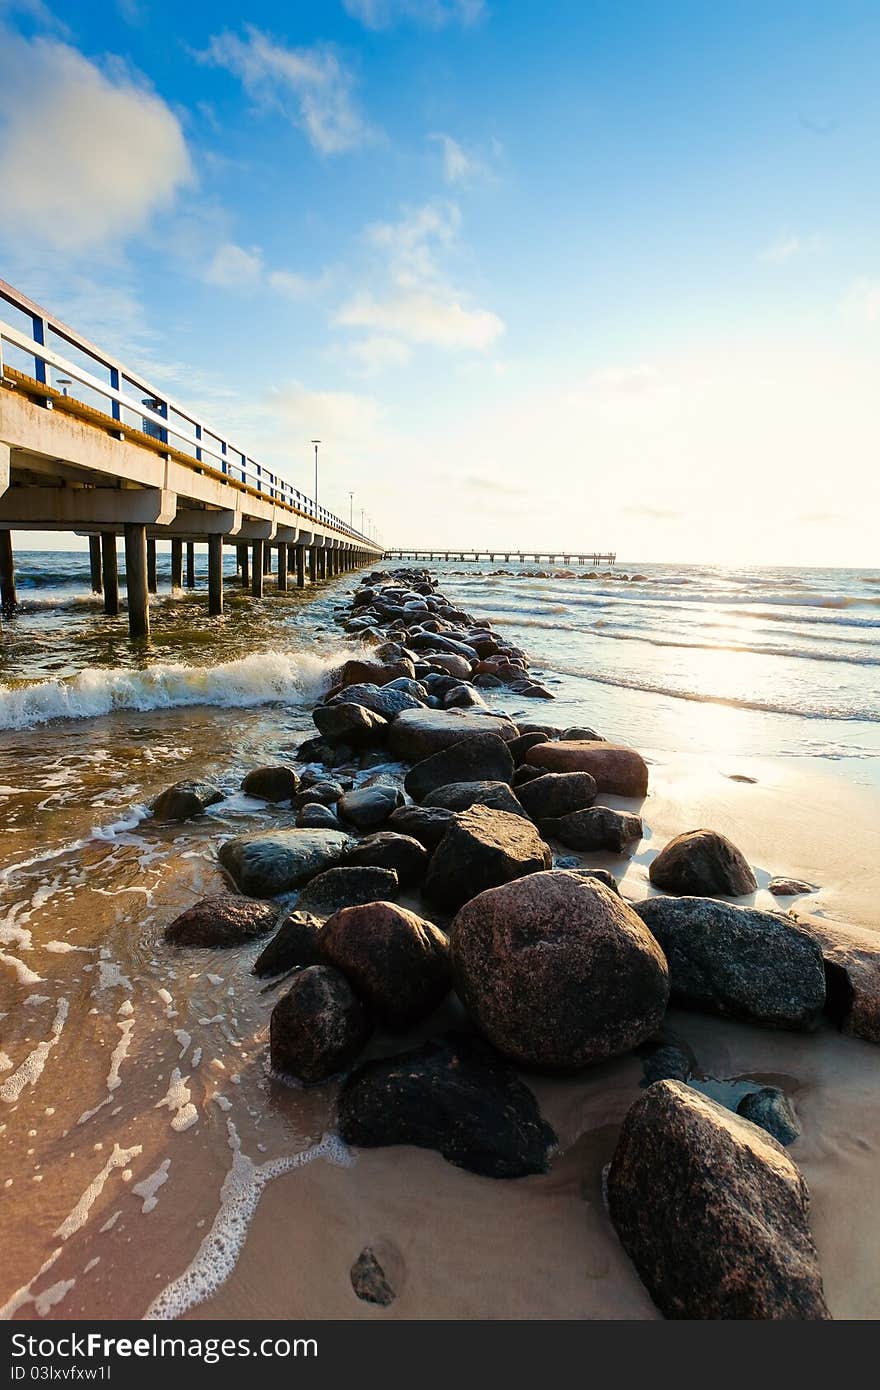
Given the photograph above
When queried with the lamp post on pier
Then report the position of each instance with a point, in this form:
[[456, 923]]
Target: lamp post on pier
[[316, 442]]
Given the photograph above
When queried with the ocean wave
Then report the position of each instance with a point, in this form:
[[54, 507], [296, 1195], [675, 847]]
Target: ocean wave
[[259, 679]]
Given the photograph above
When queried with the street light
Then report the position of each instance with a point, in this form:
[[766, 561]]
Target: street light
[[63, 382], [351, 510], [316, 442]]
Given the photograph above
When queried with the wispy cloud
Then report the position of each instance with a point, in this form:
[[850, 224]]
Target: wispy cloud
[[460, 166], [117, 151], [238, 267], [786, 247], [310, 86], [434, 14], [376, 354]]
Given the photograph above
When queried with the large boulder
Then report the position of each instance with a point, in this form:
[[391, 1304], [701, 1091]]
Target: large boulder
[[350, 724], [617, 769], [417, 734], [558, 794], [557, 970], [738, 962], [479, 758], [461, 796], [452, 1095], [852, 973], [388, 850], [276, 784], [185, 801], [712, 1212], [427, 824], [318, 1027], [357, 672], [397, 962], [294, 944], [597, 828], [387, 700], [226, 919], [266, 863], [347, 886], [481, 849], [702, 863], [369, 807]]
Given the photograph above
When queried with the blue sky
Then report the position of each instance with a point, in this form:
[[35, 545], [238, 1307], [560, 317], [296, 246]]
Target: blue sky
[[563, 274]]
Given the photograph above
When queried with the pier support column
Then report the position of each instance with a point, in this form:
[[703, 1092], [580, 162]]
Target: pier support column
[[300, 566], [244, 565], [257, 565], [267, 559], [282, 569], [111, 574], [215, 575], [177, 564], [190, 564], [8, 597], [95, 564], [136, 581], [313, 565], [152, 578]]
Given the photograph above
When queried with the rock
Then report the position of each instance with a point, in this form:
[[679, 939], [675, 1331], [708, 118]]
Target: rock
[[226, 919], [427, 824], [580, 734], [702, 863], [558, 794], [482, 849], [771, 1109], [452, 665], [314, 816], [525, 774], [322, 790], [666, 1062], [852, 974], [318, 1027], [294, 944], [520, 746], [388, 850], [712, 1212], [271, 783], [370, 1281], [598, 828], [315, 750], [437, 642], [185, 801], [369, 807], [396, 962], [264, 864], [738, 962], [387, 700], [375, 672], [789, 887], [460, 796], [346, 887], [452, 1095], [600, 876], [350, 724], [616, 769], [417, 734], [480, 758], [557, 971]]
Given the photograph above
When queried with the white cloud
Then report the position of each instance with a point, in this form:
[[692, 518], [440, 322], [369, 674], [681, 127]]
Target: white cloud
[[382, 14], [863, 300], [459, 166], [309, 85], [424, 316], [87, 157], [378, 354], [786, 247], [232, 266]]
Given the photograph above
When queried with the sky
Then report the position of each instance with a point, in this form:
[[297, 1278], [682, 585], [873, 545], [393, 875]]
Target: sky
[[565, 275]]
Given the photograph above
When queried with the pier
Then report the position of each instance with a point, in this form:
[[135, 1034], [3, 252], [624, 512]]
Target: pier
[[553, 557], [88, 446]]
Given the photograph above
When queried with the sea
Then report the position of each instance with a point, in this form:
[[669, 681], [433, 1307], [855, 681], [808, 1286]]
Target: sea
[[138, 1119]]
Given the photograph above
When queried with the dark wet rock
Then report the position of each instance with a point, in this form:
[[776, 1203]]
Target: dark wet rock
[[387, 700], [427, 824], [581, 734], [486, 682], [346, 886], [434, 642], [294, 944], [712, 1212], [389, 850], [460, 796], [318, 1027], [397, 962], [370, 1281], [480, 758], [375, 672], [789, 887], [418, 734], [369, 807], [738, 962], [702, 863], [557, 971], [456, 666], [226, 919], [599, 875], [597, 828], [525, 774], [482, 849], [266, 863], [852, 973], [771, 1109], [323, 790], [271, 783], [314, 816], [185, 801], [665, 1062], [349, 724], [315, 750], [616, 769], [518, 747], [558, 794], [453, 1095]]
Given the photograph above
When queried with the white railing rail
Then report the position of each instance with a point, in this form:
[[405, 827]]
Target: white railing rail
[[125, 394]]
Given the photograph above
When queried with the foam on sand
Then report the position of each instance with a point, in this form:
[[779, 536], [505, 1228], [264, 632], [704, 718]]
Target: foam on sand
[[77, 1218], [31, 1069], [179, 1099], [150, 1186]]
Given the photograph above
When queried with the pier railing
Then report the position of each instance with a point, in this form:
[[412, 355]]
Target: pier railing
[[62, 358]]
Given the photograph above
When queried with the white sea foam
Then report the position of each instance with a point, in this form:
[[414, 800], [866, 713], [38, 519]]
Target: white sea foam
[[31, 1069], [150, 1186], [77, 1218], [179, 1099]]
